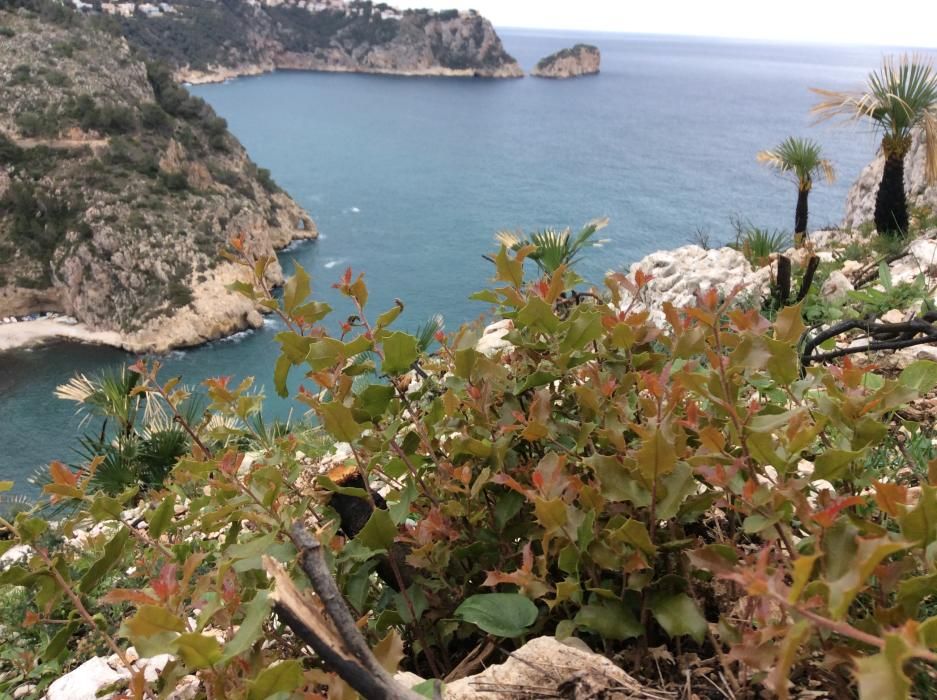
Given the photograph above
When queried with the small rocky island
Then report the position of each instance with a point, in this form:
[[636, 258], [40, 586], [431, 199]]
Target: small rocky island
[[582, 59]]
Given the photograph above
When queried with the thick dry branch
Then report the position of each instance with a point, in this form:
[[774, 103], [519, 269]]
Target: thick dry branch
[[784, 281], [881, 336], [327, 625]]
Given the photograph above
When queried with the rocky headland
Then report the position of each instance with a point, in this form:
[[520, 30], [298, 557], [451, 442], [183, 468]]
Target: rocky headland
[[206, 41], [581, 59], [118, 190]]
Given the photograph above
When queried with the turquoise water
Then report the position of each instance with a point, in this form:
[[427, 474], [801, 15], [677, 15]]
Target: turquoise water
[[409, 179]]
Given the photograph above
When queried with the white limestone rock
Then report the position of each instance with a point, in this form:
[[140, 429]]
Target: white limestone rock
[[86, 681], [836, 287], [492, 340], [679, 275], [554, 668]]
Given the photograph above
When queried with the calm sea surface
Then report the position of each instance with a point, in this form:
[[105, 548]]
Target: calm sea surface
[[409, 179]]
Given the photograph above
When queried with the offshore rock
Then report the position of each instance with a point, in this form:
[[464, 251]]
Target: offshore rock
[[860, 203], [581, 59]]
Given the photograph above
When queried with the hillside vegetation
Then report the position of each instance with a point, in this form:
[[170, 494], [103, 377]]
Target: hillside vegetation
[[117, 187]]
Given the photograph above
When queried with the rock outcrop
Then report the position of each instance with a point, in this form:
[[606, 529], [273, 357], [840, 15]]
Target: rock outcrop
[[860, 203], [679, 275], [362, 37], [581, 59], [119, 191]]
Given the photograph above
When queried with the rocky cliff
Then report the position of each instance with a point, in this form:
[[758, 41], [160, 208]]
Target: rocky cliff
[[860, 203], [118, 189], [582, 59], [207, 41]]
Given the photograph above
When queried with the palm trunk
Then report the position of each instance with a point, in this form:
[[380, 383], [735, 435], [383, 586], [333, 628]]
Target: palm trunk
[[800, 217], [891, 207]]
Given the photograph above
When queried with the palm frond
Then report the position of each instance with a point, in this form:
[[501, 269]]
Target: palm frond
[[554, 248], [899, 97], [800, 157], [426, 332]]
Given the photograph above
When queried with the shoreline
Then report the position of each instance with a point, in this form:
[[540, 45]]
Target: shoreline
[[190, 77], [198, 324]]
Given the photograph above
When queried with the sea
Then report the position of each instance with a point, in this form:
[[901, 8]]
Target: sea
[[409, 180]]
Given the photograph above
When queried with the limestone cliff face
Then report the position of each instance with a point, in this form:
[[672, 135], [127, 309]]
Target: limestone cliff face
[[582, 59], [860, 203], [250, 38], [118, 190]]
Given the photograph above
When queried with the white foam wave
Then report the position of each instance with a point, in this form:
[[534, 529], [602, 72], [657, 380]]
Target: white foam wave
[[332, 263]]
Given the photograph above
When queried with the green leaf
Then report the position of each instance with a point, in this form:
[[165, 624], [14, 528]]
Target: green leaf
[[251, 628], [374, 399], [920, 523], [312, 313], [389, 316], [339, 422], [656, 457], [296, 289], [379, 532], [920, 376], [281, 371], [283, 677], [428, 689], [500, 614], [882, 675], [832, 465], [678, 615], [584, 326], [294, 346], [5, 486], [162, 516], [198, 650], [400, 352], [537, 314], [617, 481], [508, 270], [58, 645], [610, 619], [29, 529], [113, 551], [324, 353], [869, 554], [150, 620]]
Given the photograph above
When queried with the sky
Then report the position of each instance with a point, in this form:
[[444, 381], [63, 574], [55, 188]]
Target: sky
[[902, 23]]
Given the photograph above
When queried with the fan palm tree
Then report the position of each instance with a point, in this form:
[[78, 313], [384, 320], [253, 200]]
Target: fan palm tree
[[554, 248], [899, 98], [802, 159]]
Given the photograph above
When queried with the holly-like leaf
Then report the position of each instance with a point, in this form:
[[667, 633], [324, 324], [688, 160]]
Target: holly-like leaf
[[113, 551], [869, 554], [339, 421], [834, 464], [162, 516], [920, 523], [656, 457], [400, 352], [789, 325], [920, 376], [584, 326], [251, 628], [282, 677], [882, 675], [678, 615], [296, 289], [389, 651], [379, 532], [374, 399], [198, 650], [500, 614], [610, 619]]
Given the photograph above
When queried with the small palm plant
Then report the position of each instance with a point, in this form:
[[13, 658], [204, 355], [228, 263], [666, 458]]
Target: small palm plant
[[138, 442], [899, 98], [555, 248], [802, 159]]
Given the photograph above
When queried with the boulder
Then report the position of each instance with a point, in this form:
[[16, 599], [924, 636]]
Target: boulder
[[679, 275], [555, 669], [85, 682]]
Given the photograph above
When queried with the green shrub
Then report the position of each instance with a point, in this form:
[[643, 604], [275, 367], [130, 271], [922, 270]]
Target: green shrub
[[602, 477], [7, 32], [20, 75]]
